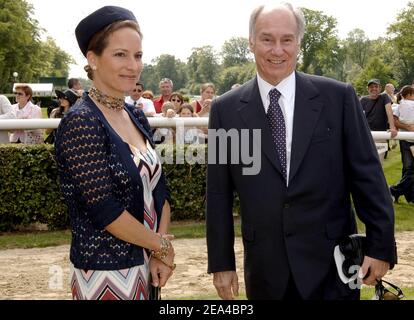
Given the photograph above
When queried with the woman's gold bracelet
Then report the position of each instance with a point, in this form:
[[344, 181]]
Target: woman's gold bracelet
[[162, 253]]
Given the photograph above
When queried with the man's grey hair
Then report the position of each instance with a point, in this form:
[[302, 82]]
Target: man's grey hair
[[166, 80], [300, 20]]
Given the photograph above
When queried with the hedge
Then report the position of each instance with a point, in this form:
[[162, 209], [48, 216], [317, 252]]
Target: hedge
[[30, 192]]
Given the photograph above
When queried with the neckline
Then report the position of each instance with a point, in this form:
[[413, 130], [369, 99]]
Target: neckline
[[137, 150]]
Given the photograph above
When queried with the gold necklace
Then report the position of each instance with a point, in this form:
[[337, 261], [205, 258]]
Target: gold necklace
[[112, 103]]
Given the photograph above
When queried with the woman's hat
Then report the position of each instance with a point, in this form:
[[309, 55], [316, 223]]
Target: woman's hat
[[68, 95], [97, 21]]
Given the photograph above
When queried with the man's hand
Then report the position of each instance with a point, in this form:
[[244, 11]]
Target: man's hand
[[227, 284], [376, 269], [394, 133]]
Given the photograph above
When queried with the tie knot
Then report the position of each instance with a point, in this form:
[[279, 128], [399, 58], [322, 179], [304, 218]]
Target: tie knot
[[274, 94]]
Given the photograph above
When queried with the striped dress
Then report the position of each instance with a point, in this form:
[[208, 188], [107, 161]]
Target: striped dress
[[132, 283]]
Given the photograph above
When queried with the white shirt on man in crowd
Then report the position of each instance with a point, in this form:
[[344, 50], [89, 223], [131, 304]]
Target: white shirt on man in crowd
[[145, 104]]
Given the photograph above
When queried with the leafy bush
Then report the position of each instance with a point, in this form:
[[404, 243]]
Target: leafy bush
[[30, 192]]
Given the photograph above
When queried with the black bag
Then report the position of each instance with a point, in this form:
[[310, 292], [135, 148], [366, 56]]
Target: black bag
[[154, 293], [353, 248]]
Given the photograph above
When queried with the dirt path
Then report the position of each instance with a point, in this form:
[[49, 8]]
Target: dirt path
[[43, 273]]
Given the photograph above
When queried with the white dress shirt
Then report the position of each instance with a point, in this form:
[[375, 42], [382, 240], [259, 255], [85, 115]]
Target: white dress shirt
[[147, 105], [287, 88]]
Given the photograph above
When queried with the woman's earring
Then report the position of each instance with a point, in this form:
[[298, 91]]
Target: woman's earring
[[94, 68]]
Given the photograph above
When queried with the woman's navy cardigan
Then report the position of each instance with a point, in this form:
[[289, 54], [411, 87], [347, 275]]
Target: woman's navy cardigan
[[99, 180]]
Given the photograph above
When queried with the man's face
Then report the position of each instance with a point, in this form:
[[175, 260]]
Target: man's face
[[136, 93], [165, 89], [389, 88], [374, 90], [275, 44]]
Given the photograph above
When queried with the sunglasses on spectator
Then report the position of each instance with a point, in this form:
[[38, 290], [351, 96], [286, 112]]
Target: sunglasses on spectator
[[19, 93], [391, 293], [175, 100]]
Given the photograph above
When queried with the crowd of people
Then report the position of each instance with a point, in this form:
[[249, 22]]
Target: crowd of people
[[316, 153]]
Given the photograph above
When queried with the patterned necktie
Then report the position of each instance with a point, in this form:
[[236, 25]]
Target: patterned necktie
[[277, 127]]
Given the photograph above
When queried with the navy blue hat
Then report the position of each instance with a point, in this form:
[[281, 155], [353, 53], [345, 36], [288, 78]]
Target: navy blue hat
[[97, 21]]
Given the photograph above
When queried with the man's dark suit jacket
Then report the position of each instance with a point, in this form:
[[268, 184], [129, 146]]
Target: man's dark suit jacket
[[293, 230]]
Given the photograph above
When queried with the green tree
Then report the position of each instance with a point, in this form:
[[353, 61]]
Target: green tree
[[235, 52], [375, 68], [164, 66], [236, 74], [21, 49], [319, 44], [167, 66], [52, 61], [402, 38], [202, 67], [358, 47]]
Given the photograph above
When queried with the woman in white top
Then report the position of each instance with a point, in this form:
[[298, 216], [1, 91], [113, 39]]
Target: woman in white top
[[5, 113], [25, 109], [405, 114]]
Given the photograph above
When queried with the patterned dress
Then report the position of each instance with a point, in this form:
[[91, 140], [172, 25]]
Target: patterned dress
[[132, 283]]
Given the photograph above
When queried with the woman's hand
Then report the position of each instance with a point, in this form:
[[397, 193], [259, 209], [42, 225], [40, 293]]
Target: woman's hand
[[161, 270], [160, 273]]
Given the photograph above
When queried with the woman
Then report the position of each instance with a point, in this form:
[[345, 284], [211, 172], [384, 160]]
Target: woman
[[202, 107], [177, 99], [66, 100], [147, 94], [110, 174], [25, 109], [404, 113]]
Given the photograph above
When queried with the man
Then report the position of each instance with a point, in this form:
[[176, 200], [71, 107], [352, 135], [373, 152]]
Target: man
[[315, 151], [6, 112], [378, 111], [166, 89], [389, 90], [377, 108], [138, 101]]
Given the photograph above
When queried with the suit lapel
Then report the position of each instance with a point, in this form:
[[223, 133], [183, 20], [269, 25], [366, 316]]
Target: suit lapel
[[253, 114], [307, 112]]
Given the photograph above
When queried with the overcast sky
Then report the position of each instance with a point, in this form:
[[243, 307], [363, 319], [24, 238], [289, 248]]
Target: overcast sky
[[177, 26]]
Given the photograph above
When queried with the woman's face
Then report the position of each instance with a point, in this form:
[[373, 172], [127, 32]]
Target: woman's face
[[207, 94], [176, 101], [64, 103], [119, 67], [186, 113], [21, 97]]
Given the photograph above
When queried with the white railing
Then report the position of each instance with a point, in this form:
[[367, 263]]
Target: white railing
[[155, 122], [158, 122]]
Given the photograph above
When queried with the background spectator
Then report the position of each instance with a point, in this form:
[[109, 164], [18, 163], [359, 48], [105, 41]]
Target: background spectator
[[148, 94], [6, 112], [66, 100], [405, 122], [135, 98], [188, 135], [177, 99], [25, 109], [166, 89], [202, 106]]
